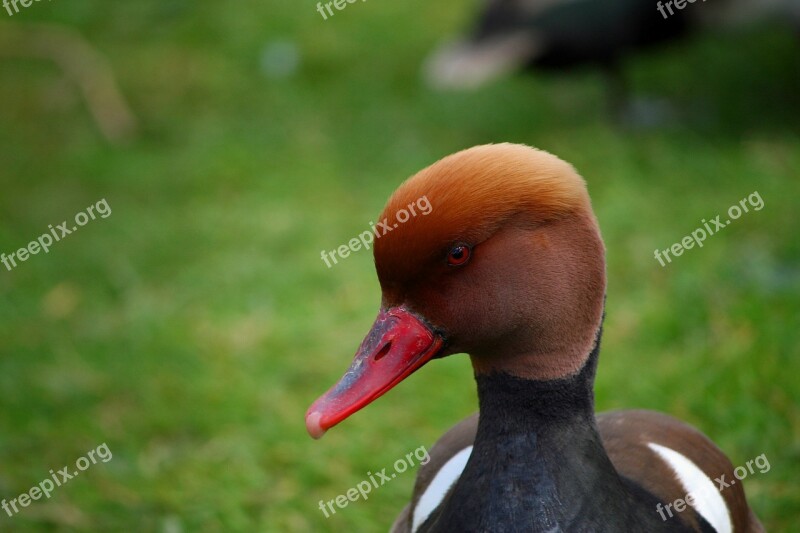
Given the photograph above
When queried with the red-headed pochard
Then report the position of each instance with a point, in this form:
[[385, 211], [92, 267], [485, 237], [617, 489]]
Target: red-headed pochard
[[509, 267]]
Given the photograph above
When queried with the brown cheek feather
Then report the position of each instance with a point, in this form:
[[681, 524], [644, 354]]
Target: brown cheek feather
[[564, 303]]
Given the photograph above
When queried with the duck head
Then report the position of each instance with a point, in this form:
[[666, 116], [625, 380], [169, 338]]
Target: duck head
[[508, 266]]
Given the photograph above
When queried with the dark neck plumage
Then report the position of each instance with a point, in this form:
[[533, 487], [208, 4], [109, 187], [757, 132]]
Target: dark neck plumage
[[538, 464]]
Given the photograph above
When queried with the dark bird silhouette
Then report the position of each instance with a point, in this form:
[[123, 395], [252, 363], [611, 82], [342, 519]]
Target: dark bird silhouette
[[509, 35], [535, 35]]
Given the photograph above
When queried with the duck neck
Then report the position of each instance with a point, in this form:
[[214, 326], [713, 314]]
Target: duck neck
[[538, 456]]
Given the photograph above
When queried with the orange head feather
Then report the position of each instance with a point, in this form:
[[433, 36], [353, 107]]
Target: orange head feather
[[472, 194]]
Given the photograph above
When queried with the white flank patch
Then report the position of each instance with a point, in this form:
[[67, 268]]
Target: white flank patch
[[707, 499], [439, 486]]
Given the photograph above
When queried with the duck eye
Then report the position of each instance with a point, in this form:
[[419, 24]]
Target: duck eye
[[459, 255]]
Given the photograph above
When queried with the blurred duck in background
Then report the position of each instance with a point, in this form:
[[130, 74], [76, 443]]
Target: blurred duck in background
[[513, 35]]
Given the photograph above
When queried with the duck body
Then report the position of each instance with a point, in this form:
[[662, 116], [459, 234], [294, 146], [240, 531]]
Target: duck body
[[509, 268], [538, 454], [545, 466]]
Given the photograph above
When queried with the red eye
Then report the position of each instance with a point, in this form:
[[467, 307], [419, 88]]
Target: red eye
[[459, 255]]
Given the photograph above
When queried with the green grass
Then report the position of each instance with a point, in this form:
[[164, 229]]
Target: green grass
[[192, 328]]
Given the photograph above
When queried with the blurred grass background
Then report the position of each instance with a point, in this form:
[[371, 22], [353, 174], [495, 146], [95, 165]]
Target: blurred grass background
[[192, 328]]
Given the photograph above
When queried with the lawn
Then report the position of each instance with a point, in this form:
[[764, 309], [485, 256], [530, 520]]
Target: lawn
[[190, 329]]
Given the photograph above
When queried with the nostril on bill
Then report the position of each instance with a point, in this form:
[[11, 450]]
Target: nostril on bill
[[383, 351]]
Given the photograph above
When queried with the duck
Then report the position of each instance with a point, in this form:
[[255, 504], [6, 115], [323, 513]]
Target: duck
[[512, 35], [535, 36], [509, 268]]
